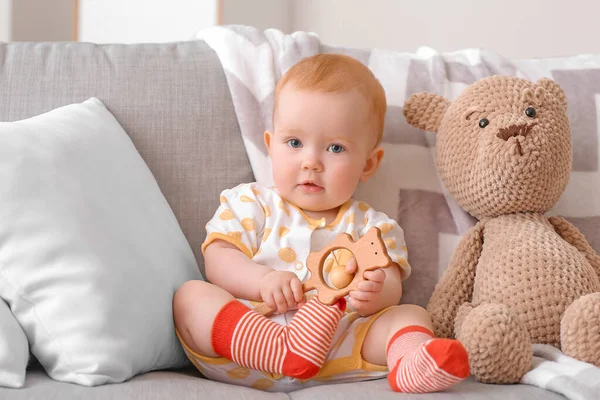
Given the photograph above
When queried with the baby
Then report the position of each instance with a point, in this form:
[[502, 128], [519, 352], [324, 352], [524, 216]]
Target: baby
[[328, 121]]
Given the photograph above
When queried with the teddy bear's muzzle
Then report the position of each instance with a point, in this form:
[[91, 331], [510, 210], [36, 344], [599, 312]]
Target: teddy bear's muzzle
[[515, 130]]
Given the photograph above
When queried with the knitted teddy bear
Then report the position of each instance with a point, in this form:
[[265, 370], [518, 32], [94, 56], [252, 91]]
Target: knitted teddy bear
[[517, 277]]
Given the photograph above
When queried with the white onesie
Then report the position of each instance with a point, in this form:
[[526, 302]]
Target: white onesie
[[276, 233]]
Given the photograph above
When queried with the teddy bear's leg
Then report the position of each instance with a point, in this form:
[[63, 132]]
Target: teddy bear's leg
[[580, 329], [496, 340]]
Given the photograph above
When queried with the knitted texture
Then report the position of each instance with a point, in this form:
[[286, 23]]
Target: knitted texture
[[497, 342], [580, 329], [456, 285], [504, 153]]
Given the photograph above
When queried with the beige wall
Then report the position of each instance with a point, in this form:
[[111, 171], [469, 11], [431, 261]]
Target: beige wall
[[514, 28], [5, 20], [137, 21], [42, 20], [262, 14]]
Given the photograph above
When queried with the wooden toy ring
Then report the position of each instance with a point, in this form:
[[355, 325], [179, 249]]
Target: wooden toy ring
[[370, 254]]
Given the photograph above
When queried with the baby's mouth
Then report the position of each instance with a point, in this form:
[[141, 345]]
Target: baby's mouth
[[310, 187]]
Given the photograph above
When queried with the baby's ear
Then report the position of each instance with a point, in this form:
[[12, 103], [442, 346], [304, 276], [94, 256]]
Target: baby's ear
[[554, 89], [425, 110]]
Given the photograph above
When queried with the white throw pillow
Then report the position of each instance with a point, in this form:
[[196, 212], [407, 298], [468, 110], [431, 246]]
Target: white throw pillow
[[90, 251], [14, 350]]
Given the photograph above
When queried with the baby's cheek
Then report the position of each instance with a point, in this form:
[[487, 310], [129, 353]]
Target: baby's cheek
[[346, 177]]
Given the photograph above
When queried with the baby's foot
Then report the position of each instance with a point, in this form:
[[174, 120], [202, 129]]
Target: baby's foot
[[421, 363]]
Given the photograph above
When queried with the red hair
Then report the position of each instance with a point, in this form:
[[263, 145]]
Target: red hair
[[338, 73]]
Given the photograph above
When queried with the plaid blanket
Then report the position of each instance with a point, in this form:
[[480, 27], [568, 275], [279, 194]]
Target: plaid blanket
[[254, 61], [555, 371]]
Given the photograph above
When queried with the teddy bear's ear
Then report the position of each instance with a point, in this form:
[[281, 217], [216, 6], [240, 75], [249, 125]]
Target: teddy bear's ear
[[425, 110], [552, 88]]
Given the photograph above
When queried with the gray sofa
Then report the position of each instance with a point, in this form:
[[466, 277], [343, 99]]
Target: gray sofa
[[173, 100]]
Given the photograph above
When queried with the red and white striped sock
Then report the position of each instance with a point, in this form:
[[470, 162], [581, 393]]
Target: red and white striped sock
[[420, 363], [297, 350]]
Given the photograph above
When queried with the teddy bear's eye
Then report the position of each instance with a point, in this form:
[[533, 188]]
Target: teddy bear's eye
[[483, 122], [530, 112]]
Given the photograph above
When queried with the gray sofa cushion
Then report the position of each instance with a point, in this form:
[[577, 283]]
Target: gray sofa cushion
[[182, 385], [150, 386], [172, 99]]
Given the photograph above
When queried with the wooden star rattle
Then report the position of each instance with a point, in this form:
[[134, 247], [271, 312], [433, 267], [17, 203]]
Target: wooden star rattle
[[370, 254]]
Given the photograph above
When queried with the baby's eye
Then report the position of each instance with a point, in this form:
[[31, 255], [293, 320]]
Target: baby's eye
[[294, 143], [336, 148]]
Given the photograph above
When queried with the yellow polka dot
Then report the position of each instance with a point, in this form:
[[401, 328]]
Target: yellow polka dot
[[248, 224], [324, 378], [266, 234], [238, 373], [237, 236], [227, 214], [287, 254], [267, 211], [299, 266], [402, 261], [366, 221], [223, 199], [254, 250], [246, 199], [255, 191], [404, 249], [385, 228], [362, 206], [390, 243], [273, 376], [284, 208], [350, 218], [262, 384], [283, 231]]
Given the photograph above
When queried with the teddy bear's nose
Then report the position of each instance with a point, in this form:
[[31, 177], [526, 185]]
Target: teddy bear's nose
[[515, 130]]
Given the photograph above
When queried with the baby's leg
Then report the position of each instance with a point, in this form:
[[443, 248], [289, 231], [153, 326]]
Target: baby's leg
[[418, 362], [195, 307], [212, 323]]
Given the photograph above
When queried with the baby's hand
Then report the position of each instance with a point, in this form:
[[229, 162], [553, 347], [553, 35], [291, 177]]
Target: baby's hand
[[281, 290], [365, 298]]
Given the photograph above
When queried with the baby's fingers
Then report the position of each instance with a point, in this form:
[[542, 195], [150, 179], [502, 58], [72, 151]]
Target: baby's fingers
[[270, 301], [289, 297], [280, 301], [376, 276], [362, 296], [370, 286], [297, 290]]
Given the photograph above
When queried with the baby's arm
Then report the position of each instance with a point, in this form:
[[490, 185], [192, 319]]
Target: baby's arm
[[383, 287], [229, 268]]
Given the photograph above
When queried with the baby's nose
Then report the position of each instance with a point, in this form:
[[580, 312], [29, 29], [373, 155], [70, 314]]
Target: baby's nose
[[312, 164]]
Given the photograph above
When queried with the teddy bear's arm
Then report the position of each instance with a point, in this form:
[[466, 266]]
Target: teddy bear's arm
[[456, 286], [575, 238]]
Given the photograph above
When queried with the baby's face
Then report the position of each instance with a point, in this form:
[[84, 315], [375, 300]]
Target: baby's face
[[320, 147]]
